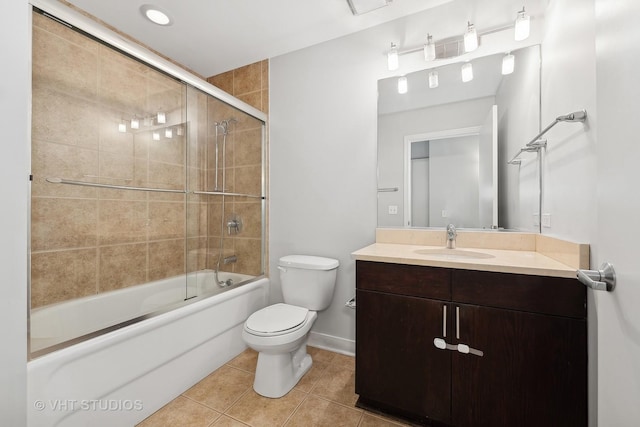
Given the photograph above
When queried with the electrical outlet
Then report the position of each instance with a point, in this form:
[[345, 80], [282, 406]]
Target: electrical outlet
[[393, 210], [445, 214], [536, 219], [546, 220]]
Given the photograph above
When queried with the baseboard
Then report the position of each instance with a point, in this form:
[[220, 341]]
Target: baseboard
[[332, 343]]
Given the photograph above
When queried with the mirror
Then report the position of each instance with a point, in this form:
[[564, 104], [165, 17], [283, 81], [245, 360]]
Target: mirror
[[443, 151]]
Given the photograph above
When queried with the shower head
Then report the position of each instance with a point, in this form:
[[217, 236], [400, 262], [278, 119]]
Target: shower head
[[576, 116]]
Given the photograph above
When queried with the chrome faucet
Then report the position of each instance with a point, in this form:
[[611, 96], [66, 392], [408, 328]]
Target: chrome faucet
[[451, 236]]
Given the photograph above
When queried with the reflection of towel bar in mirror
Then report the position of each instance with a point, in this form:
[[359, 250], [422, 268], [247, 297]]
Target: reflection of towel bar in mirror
[[387, 189], [536, 143]]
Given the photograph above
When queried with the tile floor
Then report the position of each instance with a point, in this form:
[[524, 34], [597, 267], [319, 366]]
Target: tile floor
[[323, 397]]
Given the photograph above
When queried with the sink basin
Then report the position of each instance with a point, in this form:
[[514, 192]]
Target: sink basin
[[445, 253]]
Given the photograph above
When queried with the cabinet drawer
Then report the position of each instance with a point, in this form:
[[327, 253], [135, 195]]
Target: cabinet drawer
[[401, 279], [538, 294]]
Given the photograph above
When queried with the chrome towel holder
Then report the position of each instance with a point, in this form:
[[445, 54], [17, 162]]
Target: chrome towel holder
[[536, 143]]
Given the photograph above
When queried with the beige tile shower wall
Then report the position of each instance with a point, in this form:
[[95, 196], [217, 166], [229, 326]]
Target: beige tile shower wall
[[244, 169], [87, 240]]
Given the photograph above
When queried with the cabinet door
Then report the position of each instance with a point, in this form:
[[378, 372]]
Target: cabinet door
[[533, 371], [397, 365]]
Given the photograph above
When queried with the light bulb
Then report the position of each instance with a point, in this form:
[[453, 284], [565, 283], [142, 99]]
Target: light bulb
[[392, 58], [433, 79], [402, 85], [168, 133], [135, 123], [467, 72], [156, 136], [523, 26], [161, 117], [470, 38], [122, 126], [508, 64], [429, 49]]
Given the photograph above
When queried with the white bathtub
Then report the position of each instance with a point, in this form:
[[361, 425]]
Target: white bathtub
[[121, 377]]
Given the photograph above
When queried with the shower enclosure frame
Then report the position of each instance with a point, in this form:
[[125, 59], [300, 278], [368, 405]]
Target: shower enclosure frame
[[65, 15]]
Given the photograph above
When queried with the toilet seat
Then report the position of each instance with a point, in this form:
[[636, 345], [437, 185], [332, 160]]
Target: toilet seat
[[277, 319]]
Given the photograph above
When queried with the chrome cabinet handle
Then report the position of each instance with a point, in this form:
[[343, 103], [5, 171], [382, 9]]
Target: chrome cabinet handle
[[440, 343], [464, 348]]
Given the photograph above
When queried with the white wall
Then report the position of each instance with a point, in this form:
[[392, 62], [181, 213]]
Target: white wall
[[15, 86]]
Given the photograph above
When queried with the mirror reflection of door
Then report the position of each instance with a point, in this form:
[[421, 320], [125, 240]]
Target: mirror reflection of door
[[451, 177]]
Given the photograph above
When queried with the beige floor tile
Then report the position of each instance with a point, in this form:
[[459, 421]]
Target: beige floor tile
[[181, 412], [320, 355], [319, 412], [259, 411], [247, 360], [369, 420], [338, 385], [225, 421], [222, 388], [344, 361], [311, 378]]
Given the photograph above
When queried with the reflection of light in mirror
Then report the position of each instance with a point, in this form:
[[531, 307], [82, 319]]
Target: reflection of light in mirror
[[467, 72], [508, 64], [429, 49], [122, 126], [470, 38], [392, 58], [156, 136], [433, 79], [135, 123], [402, 85], [168, 133], [522, 26]]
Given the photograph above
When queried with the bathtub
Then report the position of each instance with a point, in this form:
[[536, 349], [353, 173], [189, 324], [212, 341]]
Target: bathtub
[[123, 376]]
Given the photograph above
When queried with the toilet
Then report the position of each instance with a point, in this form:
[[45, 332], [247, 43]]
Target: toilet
[[279, 332]]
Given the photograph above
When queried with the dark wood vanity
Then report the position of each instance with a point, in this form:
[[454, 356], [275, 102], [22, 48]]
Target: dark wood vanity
[[513, 347]]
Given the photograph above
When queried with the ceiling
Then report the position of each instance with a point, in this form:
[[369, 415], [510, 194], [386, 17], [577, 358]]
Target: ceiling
[[214, 36]]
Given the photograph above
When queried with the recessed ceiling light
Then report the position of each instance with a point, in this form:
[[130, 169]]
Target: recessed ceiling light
[[155, 14]]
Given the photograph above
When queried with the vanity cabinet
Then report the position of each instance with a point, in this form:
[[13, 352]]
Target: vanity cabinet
[[526, 337]]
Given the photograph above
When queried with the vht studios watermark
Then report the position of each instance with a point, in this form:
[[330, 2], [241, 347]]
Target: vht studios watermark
[[105, 405]]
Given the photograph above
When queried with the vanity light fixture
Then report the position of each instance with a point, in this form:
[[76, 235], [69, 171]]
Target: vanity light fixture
[[122, 126], [402, 85], [467, 72], [168, 133], [155, 14], [522, 26], [392, 58], [155, 136], [135, 123], [161, 117], [429, 49], [433, 79], [470, 38], [508, 63]]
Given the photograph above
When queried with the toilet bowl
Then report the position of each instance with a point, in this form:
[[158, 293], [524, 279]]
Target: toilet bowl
[[279, 332]]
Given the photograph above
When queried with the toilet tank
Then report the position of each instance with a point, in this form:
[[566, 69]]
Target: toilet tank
[[308, 281]]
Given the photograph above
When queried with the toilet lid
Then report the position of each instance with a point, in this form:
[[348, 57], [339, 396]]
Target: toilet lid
[[276, 318]]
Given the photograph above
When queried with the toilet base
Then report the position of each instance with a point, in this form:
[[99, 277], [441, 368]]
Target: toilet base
[[277, 374]]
